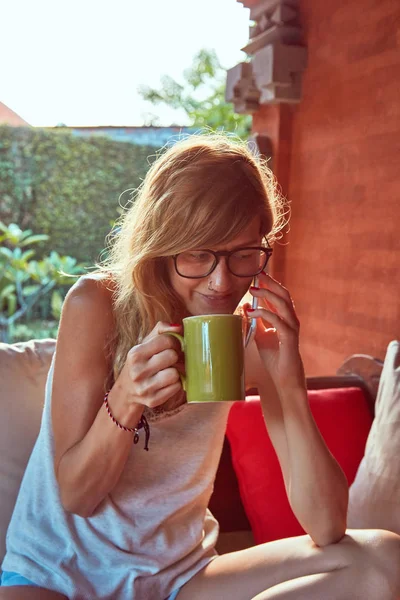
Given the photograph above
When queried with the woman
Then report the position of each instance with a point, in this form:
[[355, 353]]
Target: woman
[[99, 517]]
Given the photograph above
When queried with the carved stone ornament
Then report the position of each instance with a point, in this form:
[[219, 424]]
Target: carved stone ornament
[[241, 89], [276, 58]]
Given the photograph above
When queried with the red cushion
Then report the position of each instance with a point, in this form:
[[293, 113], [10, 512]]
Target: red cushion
[[344, 419]]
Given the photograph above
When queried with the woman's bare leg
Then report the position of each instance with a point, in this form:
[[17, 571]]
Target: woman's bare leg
[[365, 564], [326, 586], [29, 592]]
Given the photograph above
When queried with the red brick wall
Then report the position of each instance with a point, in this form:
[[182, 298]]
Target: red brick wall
[[338, 160]]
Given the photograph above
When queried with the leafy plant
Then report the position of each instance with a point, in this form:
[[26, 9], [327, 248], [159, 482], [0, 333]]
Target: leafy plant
[[23, 332], [24, 281], [201, 96]]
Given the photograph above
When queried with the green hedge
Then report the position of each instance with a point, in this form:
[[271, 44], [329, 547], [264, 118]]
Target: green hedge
[[66, 187]]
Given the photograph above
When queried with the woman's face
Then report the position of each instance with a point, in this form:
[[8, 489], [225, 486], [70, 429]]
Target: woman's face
[[221, 291]]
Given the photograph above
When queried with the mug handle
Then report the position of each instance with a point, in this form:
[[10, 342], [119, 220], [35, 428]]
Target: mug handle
[[181, 340]]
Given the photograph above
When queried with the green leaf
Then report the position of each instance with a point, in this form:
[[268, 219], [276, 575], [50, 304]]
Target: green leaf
[[7, 291], [30, 289], [12, 304], [26, 233], [56, 304], [27, 255], [6, 252], [34, 239], [14, 233]]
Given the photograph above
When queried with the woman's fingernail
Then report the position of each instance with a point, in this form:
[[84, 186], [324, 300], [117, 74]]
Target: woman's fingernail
[[250, 310], [254, 288], [174, 325]]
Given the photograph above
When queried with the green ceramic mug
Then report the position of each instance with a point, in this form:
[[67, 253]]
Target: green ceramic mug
[[214, 358]]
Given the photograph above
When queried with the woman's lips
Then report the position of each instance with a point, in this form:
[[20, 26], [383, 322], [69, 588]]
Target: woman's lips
[[218, 301]]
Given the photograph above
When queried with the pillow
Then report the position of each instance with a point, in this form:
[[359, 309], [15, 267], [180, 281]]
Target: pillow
[[344, 419], [23, 372], [375, 494]]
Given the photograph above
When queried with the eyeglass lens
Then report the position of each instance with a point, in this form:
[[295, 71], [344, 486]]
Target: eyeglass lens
[[245, 262]]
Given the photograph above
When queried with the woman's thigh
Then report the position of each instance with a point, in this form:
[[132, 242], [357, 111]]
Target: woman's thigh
[[244, 574]]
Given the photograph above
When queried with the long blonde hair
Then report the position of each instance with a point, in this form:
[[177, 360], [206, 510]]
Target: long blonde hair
[[202, 191]]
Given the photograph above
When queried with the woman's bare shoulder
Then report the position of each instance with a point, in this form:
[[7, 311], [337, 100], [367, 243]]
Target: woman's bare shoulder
[[92, 290], [89, 304]]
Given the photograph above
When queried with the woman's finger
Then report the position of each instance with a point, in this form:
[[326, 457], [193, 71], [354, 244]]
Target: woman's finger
[[156, 342], [278, 305], [249, 311], [275, 287], [158, 362], [282, 327], [164, 394]]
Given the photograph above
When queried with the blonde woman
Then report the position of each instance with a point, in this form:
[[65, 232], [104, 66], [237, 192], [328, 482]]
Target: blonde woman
[[100, 517]]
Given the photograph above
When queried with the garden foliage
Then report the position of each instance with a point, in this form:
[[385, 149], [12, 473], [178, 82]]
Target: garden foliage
[[67, 187], [25, 281]]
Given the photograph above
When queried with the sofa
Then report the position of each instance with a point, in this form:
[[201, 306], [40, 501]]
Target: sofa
[[249, 498]]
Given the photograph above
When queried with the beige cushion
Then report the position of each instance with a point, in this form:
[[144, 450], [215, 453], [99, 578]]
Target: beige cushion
[[375, 492], [23, 371]]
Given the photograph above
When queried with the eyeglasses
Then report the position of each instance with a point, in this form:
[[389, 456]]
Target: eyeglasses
[[242, 262]]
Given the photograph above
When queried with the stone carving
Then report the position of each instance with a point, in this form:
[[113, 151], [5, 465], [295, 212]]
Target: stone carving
[[276, 58], [241, 89], [277, 70]]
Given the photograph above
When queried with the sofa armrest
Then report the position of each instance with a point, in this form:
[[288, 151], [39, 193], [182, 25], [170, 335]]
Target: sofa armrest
[[368, 369], [23, 373], [358, 370]]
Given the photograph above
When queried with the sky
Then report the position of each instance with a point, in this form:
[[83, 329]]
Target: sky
[[80, 62]]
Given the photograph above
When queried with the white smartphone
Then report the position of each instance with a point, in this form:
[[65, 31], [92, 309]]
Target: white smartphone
[[253, 324]]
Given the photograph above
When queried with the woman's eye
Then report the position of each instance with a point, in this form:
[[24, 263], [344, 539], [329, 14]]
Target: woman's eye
[[244, 255], [197, 256]]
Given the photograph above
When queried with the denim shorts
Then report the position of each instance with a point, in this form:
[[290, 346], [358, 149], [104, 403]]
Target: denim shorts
[[8, 578]]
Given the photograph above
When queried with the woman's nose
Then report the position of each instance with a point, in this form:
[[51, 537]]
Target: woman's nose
[[221, 277]]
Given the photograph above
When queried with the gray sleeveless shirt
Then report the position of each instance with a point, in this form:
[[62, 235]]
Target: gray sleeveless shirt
[[148, 537]]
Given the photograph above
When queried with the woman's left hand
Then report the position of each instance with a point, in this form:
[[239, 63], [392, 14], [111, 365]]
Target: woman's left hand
[[277, 333]]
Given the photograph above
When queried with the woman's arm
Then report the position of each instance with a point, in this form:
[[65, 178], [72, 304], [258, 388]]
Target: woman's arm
[[316, 485], [90, 450]]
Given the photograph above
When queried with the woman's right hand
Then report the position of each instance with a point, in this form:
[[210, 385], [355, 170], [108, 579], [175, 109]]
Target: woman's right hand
[[150, 375]]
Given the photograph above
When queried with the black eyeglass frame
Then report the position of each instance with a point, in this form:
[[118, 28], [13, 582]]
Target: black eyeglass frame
[[217, 255]]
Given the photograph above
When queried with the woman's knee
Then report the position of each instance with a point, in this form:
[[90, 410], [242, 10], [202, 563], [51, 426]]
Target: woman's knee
[[387, 551], [375, 554]]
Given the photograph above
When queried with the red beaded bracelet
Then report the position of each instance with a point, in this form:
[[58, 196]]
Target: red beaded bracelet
[[143, 424]]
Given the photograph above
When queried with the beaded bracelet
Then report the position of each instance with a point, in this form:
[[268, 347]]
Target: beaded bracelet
[[143, 424]]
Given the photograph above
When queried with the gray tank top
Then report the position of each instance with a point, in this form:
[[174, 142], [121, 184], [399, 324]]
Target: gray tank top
[[148, 537]]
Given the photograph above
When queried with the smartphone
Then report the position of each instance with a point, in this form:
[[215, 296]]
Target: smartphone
[[253, 324]]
